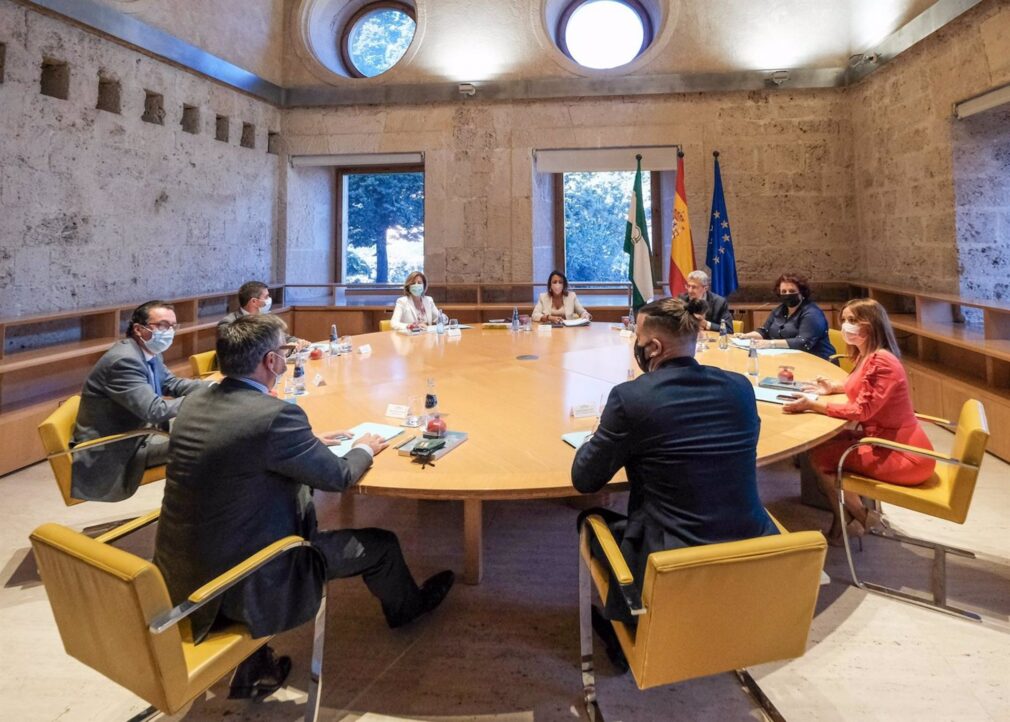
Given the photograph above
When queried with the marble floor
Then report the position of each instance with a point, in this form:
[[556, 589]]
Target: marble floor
[[506, 650]]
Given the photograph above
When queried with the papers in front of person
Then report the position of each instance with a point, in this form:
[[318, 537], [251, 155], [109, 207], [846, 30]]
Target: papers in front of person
[[575, 439], [744, 343], [576, 322], [777, 396], [386, 431]]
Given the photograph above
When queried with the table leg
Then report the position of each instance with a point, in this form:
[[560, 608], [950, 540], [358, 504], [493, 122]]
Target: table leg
[[473, 541]]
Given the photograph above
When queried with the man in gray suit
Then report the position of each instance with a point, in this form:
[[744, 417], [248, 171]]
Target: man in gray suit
[[241, 467], [717, 308], [126, 391], [253, 299]]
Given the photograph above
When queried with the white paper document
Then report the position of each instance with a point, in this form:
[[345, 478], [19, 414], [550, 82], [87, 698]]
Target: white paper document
[[744, 343], [576, 322], [386, 431], [778, 396], [575, 439]]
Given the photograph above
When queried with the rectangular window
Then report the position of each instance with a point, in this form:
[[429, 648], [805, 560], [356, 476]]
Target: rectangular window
[[381, 223], [596, 207]]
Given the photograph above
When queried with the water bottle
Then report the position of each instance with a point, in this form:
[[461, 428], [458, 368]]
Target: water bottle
[[334, 343], [430, 398], [723, 337], [515, 319], [440, 327], [298, 378], [752, 360]]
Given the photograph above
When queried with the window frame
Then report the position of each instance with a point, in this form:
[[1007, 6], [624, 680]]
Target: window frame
[[648, 31], [345, 33], [338, 241], [655, 226]]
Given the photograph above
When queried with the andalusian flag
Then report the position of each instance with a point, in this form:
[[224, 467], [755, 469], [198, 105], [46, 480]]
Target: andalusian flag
[[682, 245], [636, 245]]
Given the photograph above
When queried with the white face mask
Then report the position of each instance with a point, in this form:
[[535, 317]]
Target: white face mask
[[417, 289], [852, 333], [267, 303], [277, 376], [160, 340]]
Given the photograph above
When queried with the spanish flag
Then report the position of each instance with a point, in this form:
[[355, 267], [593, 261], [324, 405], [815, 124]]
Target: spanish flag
[[682, 245]]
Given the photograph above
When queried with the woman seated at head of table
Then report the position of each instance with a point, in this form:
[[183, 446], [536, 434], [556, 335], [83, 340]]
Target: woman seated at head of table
[[413, 308], [879, 405], [558, 303], [797, 322]]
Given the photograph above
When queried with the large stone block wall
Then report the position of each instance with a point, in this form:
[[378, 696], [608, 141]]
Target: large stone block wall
[[911, 230], [99, 208], [310, 249], [786, 160]]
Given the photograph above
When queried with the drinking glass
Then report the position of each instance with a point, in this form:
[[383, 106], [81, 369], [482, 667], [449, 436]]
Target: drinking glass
[[453, 323], [415, 409]]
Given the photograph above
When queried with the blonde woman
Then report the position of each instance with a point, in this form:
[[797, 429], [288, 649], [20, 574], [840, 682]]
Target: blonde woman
[[413, 308]]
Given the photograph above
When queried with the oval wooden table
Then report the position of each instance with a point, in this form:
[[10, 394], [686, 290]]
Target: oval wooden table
[[512, 394]]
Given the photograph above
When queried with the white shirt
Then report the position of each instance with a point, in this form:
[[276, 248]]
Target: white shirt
[[406, 313]]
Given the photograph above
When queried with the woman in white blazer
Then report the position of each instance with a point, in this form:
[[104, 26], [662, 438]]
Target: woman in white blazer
[[558, 303], [414, 308]]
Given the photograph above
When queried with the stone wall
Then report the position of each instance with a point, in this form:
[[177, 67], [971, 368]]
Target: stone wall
[[909, 229], [311, 252], [786, 161], [100, 207]]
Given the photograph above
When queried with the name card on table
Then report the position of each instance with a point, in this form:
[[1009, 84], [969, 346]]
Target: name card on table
[[453, 333], [364, 349], [397, 411], [584, 411], [318, 380], [544, 329]]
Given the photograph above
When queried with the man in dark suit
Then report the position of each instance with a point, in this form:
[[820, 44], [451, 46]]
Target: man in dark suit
[[126, 391], [686, 435], [241, 467], [717, 308], [254, 298]]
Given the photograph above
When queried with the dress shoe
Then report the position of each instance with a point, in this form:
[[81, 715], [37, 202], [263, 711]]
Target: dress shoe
[[260, 675], [433, 591], [605, 631]]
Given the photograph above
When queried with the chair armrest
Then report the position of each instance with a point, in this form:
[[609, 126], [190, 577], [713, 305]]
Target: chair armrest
[[223, 582], [895, 446], [94, 443], [615, 562], [129, 527], [934, 419]]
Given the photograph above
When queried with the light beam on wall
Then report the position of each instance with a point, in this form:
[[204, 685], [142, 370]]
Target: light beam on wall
[[468, 57]]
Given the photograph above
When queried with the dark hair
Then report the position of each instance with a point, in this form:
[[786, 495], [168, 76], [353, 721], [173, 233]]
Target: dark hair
[[242, 344], [870, 313], [410, 277], [564, 280], [801, 283], [675, 316], [249, 291], [142, 314]]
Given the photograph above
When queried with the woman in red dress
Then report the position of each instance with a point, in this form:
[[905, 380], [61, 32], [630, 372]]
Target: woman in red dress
[[879, 405]]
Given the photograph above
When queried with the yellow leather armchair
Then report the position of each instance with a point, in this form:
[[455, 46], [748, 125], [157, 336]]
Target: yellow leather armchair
[[738, 327], [687, 627], [56, 432], [203, 364], [114, 614], [836, 339], [385, 325], [945, 495]]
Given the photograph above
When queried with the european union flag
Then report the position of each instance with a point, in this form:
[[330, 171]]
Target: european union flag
[[719, 256]]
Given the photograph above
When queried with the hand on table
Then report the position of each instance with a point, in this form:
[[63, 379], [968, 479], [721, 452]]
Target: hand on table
[[798, 406], [334, 438], [820, 385], [374, 441]]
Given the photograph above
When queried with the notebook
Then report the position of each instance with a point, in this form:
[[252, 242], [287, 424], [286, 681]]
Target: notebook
[[575, 439], [386, 431]]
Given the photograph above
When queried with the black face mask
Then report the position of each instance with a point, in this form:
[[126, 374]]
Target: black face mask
[[641, 359], [792, 300]]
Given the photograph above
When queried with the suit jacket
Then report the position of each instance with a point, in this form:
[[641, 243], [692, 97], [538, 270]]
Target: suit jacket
[[239, 470], [806, 329], [119, 396], [686, 435], [718, 311], [572, 305], [405, 313], [232, 317]]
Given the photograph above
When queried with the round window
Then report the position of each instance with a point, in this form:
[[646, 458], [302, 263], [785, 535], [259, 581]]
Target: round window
[[376, 37], [603, 34]]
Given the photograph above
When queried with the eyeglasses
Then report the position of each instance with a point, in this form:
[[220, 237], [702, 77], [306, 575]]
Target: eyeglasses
[[287, 350], [162, 326]]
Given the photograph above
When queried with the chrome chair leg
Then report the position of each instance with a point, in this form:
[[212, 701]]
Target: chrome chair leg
[[586, 633], [316, 665], [757, 694]]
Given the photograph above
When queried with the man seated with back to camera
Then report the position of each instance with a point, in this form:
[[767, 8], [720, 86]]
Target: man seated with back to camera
[[686, 435], [241, 467]]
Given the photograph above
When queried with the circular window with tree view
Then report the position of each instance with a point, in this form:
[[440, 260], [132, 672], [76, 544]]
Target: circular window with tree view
[[376, 37], [603, 34]]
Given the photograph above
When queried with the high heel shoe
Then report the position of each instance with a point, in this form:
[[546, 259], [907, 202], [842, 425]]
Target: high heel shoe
[[856, 531], [875, 522]]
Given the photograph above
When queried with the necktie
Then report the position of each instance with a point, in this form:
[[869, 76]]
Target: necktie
[[155, 381]]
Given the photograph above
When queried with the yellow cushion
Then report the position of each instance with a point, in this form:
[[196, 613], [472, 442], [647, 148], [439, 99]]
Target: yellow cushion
[[56, 432], [203, 364], [738, 327], [385, 325], [838, 341]]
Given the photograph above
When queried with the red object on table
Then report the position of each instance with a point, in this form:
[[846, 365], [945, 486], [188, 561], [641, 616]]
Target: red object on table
[[785, 373], [316, 354], [436, 425]]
